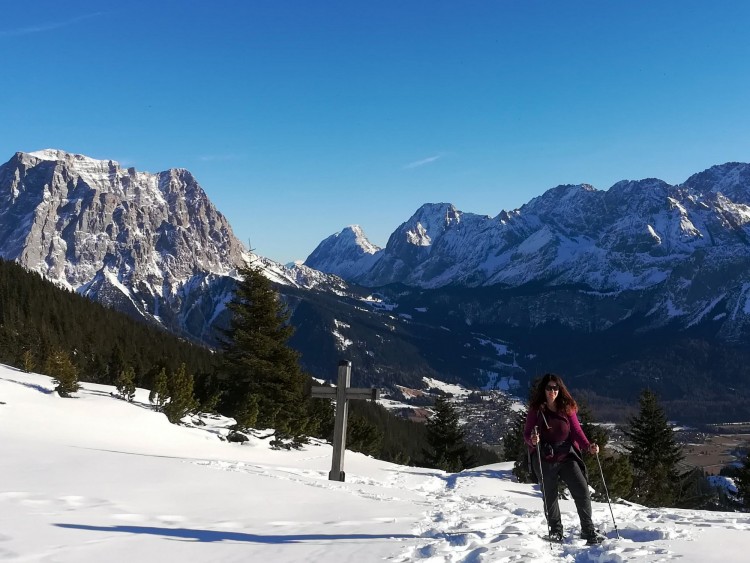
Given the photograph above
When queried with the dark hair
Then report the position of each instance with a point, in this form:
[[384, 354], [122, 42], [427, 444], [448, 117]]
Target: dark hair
[[564, 400]]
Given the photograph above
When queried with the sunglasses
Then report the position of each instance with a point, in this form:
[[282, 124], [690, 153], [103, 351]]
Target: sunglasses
[[552, 388]]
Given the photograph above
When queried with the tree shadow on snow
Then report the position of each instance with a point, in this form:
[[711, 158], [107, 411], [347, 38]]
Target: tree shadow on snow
[[209, 536], [40, 388]]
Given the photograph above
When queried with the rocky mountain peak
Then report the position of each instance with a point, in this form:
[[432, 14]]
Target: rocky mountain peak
[[429, 222], [630, 237], [344, 253], [356, 235], [152, 245], [731, 179], [92, 226]]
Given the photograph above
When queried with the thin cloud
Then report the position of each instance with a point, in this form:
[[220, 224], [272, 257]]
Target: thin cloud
[[40, 28], [218, 157], [423, 162]]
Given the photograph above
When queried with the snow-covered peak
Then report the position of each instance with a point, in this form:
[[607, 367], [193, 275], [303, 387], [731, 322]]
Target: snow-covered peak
[[360, 239], [631, 236], [58, 154], [78, 160], [731, 179], [345, 254], [429, 222]]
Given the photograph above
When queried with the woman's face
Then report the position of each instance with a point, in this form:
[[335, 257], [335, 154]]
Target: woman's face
[[551, 390]]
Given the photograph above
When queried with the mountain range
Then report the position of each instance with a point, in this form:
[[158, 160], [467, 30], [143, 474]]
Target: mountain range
[[685, 250], [644, 284]]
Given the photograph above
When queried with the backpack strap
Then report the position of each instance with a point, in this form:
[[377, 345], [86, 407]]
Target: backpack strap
[[544, 418]]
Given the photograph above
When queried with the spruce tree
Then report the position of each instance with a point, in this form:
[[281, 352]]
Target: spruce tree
[[59, 366], [322, 419], [27, 360], [618, 474], [115, 365], [126, 383], [743, 481], [514, 446], [654, 455], [159, 389], [181, 398], [259, 362], [246, 415], [516, 450], [362, 436], [447, 450]]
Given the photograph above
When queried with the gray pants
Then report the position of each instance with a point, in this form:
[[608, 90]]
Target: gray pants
[[571, 474]]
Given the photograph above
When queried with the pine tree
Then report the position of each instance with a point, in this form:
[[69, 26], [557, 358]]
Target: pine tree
[[322, 419], [246, 415], [362, 436], [259, 362], [27, 360], [447, 449], [59, 366], [743, 481], [618, 474], [115, 366], [181, 398], [515, 449], [126, 383], [695, 490], [514, 446], [654, 455], [159, 389]]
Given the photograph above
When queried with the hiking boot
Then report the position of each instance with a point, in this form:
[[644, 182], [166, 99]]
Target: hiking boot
[[556, 535], [593, 537]]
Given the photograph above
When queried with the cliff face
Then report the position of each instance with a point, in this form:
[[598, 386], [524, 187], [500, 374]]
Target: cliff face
[[143, 242]]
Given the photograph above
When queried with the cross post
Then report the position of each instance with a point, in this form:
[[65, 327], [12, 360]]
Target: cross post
[[342, 393]]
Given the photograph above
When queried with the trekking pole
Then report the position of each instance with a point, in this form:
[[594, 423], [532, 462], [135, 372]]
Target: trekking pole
[[607, 493], [541, 480]]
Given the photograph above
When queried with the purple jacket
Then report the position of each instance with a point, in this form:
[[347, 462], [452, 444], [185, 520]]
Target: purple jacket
[[576, 435]]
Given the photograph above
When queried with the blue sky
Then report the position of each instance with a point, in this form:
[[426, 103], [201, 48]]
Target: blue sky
[[299, 118]]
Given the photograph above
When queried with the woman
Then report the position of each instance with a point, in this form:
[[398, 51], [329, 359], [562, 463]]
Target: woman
[[552, 421]]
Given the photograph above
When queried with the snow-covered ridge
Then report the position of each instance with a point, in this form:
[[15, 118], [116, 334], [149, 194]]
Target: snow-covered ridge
[[57, 154], [623, 238], [688, 243]]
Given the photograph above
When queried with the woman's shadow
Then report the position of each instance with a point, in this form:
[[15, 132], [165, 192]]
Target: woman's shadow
[[187, 534]]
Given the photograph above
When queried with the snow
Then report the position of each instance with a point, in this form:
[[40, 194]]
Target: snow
[[56, 154], [419, 237], [342, 341], [654, 234], [500, 348], [722, 482], [497, 381], [94, 478], [378, 303], [362, 241], [699, 317], [450, 388]]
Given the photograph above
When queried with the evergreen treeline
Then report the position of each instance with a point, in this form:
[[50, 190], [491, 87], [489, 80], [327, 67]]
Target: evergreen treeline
[[405, 442], [257, 379], [41, 323]]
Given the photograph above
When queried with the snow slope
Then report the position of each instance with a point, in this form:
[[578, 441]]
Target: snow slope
[[93, 479]]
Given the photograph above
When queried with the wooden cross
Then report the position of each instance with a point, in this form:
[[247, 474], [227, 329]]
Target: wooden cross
[[342, 393]]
